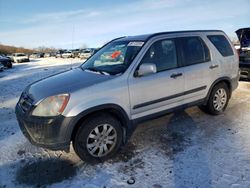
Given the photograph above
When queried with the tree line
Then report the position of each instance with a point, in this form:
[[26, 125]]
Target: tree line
[[6, 50]]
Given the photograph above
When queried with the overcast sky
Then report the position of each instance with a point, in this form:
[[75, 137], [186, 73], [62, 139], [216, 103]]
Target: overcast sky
[[61, 23]]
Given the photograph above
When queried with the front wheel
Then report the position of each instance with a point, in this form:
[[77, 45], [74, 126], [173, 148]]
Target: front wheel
[[9, 65], [218, 100], [98, 138]]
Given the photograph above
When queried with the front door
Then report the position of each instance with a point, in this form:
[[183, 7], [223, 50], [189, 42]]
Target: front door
[[159, 91]]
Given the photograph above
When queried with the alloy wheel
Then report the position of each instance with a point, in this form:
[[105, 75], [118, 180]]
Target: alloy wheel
[[220, 99], [101, 140]]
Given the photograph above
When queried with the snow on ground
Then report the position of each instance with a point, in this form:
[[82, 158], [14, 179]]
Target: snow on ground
[[184, 149]]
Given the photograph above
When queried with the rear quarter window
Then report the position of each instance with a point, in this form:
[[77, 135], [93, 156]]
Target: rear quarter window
[[221, 44]]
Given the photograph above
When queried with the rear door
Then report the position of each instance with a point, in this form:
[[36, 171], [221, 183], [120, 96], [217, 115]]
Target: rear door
[[197, 66]]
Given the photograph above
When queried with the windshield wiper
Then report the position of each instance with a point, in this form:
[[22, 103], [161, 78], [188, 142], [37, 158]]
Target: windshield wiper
[[96, 70]]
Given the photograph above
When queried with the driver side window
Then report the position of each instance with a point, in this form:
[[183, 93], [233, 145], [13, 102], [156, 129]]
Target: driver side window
[[162, 53]]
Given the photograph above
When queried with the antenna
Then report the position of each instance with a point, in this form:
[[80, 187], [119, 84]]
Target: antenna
[[72, 47]]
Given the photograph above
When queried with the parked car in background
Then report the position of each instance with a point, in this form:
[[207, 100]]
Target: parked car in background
[[75, 53], [37, 55], [244, 52], [50, 54], [86, 53], [67, 54], [98, 105], [6, 61], [20, 58], [59, 53]]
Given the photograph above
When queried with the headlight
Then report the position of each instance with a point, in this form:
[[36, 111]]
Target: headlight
[[51, 106]]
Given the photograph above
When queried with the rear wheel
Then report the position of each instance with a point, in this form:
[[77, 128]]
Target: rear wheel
[[218, 100], [98, 138]]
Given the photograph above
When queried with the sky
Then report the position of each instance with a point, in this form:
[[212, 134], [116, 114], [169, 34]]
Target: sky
[[75, 23]]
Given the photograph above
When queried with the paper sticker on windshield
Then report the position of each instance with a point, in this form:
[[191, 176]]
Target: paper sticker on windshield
[[139, 44]]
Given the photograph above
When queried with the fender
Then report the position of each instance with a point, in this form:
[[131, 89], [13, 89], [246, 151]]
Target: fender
[[111, 108]]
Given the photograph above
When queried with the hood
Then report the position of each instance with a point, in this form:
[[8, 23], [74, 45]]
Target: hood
[[65, 82], [2, 58], [244, 36]]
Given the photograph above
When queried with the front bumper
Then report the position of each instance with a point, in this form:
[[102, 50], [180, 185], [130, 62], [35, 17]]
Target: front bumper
[[47, 132], [22, 60]]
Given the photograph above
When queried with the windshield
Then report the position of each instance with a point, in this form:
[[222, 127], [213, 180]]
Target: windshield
[[86, 51], [20, 55], [114, 58]]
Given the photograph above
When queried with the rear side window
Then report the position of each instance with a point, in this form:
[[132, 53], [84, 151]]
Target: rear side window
[[163, 54], [193, 50], [221, 44]]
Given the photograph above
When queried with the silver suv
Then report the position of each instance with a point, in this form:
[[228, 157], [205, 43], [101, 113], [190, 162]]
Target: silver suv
[[129, 80]]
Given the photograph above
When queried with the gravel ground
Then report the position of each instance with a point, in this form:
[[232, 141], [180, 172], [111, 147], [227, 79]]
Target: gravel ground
[[184, 149]]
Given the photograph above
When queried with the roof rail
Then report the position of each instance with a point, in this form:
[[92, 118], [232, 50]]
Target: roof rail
[[187, 31]]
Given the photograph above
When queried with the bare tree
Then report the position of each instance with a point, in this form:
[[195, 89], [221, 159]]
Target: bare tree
[[44, 49], [5, 49]]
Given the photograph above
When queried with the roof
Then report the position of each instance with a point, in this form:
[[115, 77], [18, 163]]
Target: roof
[[148, 36]]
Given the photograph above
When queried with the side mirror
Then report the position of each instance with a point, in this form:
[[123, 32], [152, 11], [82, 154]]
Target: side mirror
[[146, 69]]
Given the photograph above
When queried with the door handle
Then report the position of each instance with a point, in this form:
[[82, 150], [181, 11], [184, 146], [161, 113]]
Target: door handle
[[213, 66], [175, 75]]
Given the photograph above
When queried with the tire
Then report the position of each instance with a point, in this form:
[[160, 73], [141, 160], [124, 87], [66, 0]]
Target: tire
[[87, 143], [9, 65], [218, 100]]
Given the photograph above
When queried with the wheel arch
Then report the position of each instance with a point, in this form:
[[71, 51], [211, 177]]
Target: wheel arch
[[225, 80], [113, 109]]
